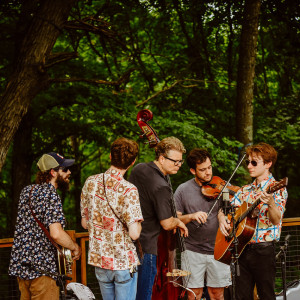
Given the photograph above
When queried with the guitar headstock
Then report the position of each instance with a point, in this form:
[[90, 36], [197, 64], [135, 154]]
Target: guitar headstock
[[281, 184], [142, 117]]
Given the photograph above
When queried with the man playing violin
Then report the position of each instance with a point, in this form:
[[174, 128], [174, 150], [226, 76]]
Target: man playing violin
[[257, 261], [192, 206], [155, 191]]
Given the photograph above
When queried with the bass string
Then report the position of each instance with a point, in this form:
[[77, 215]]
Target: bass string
[[180, 239]]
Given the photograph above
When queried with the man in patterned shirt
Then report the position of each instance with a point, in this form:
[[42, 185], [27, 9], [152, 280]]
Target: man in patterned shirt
[[32, 250], [111, 212], [257, 261]]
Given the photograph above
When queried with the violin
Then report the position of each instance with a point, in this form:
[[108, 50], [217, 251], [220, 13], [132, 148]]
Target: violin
[[168, 282], [212, 189]]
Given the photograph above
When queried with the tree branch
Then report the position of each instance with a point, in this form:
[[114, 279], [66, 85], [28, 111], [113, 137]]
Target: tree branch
[[56, 58], [83, 24], [184, 86], [123, 79]]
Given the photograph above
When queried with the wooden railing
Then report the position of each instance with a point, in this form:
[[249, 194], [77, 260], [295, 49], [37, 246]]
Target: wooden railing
[[82, 237]]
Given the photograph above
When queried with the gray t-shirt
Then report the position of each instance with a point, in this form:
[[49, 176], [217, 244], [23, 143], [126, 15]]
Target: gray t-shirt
[[189, 199]]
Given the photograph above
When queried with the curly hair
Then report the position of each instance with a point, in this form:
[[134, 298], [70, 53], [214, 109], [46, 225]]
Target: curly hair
[[167, 144], [43, 177], [197, 156], [123, 152], [266, 151]]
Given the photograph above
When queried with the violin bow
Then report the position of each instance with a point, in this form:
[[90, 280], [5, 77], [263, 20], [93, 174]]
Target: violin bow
[[227, 182]]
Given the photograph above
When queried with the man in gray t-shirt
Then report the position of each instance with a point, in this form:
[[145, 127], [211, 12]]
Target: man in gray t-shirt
[[192, 207]]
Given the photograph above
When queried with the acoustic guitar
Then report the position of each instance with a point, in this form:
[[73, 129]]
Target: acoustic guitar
[[245, 221]]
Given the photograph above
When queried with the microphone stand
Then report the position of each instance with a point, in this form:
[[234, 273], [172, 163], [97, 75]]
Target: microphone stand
[[282, 255], [234, 265]]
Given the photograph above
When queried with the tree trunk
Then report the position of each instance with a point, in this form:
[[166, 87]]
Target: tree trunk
[[22, 160], [76, 174], [246, 71], [29, 76]]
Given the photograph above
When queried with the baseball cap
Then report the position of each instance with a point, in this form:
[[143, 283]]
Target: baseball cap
[[53, 160]]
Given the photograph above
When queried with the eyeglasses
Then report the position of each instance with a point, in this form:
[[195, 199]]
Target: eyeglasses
[[252, 162], [176, 162]]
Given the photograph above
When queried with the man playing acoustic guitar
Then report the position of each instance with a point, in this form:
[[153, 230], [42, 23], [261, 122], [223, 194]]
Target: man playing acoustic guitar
[[32, 250], [257, 261]]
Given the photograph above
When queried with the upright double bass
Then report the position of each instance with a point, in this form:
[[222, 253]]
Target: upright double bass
[[170, 281]]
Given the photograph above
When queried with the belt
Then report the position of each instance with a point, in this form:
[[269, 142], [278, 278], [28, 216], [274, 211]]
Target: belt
[[260, 245]]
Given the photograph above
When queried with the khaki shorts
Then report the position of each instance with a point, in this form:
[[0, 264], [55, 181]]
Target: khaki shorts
[[42, 288], [205, 267]]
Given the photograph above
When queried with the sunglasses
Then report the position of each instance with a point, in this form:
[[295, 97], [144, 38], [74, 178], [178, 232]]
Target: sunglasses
[[64, 169], [176, 162], [252, 162]]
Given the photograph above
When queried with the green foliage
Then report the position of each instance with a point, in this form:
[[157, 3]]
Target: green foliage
[[191, 43]]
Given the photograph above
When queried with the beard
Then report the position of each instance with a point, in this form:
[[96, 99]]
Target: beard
[[62, 184], [204, 180]]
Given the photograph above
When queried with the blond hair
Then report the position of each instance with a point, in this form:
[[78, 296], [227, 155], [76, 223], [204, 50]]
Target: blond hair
[[167, 144]]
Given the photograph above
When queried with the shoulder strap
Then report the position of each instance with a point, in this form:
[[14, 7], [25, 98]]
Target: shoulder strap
[[136, 242], [42, 225], [123, 223]]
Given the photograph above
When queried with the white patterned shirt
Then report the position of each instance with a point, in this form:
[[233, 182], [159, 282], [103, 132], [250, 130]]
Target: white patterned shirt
[[110, 246]]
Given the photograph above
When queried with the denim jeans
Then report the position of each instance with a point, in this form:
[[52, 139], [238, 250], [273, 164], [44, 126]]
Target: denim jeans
[[147, 271], [116, 285]]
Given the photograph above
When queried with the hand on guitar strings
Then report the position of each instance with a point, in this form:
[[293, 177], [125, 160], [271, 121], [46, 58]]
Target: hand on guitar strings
[[224, 224]]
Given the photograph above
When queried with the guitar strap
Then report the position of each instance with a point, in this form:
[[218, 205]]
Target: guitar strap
[[42, 225], [136, 242]]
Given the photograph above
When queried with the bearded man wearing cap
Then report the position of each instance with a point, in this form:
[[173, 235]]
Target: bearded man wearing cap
[[33, 255]]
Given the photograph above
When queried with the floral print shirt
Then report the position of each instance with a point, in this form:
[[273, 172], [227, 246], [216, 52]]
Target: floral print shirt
[[31, 248], [265, 231], [110, 246]]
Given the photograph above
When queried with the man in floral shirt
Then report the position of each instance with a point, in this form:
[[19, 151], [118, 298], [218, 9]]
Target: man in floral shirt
[[257, 261], [33, 255], [110, 210]]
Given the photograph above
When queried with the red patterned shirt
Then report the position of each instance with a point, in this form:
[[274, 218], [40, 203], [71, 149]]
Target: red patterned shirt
[[265, 231], [110, 246]]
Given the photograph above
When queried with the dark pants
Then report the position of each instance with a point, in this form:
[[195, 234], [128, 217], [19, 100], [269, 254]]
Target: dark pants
[[146, 275], [257, 266]]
